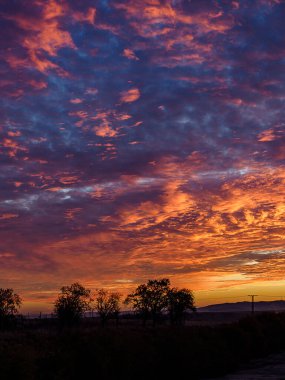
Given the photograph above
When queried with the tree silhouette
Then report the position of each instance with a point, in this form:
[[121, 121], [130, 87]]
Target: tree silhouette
[[150, 299], [10, 302], [71, 303], [179, 301], [107, 305]]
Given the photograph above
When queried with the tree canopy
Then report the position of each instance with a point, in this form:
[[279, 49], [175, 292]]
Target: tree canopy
[[156, 296], [179, 301], [107, 304], [10, 302], [72, 302], [150, 299]]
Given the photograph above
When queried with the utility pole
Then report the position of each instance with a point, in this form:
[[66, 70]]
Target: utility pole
[[252, 301]]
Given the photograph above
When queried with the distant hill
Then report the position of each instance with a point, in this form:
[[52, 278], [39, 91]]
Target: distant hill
[[245, 306]]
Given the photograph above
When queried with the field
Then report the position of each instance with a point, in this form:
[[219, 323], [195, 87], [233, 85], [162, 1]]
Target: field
[[40, 350]]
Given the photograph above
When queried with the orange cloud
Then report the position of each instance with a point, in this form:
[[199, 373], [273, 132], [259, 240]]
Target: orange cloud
[[178, 33], [130, 96], [68, 180], [123, 116], [14, 134], [230, 237], [129, 53], [267, 135], [8, 216], [13, 147], [43, 35], [104, 130]]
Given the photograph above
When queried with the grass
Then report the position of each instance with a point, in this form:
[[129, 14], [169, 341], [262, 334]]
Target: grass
[[133, 352]]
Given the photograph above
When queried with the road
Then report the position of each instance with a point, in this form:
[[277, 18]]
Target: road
[[269, 368]]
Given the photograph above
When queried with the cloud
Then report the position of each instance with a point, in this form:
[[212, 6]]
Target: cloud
[[182, 33], [141, 139], [89, 16], [128, 53], [76, 101], [104, 130], [130, 96], [43, 34], [8, 216]]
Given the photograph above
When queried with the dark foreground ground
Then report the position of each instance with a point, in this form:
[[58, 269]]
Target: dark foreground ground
[[129, 351], [270, 368]]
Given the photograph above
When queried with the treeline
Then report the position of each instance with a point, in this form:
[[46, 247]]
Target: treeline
[[149, 301]]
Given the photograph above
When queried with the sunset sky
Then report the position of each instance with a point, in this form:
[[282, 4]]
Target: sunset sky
[[142, 139]]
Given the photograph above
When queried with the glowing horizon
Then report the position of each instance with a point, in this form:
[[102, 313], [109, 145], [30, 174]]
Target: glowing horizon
[[142, 139]]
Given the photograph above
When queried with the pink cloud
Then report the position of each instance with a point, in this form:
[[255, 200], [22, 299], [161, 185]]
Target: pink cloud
[[130, 95], [8, 216], [130, 54], [89, 16], [38, 85], [76, 101]]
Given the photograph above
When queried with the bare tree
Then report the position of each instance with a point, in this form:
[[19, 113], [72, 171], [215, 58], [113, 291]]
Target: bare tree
[[150, 299], [71, 303], [107, 304]]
